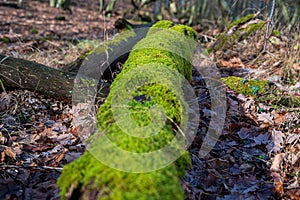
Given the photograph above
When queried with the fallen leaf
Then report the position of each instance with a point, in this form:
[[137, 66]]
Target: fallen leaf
[[278, 140], [275, 167], [279, 188]]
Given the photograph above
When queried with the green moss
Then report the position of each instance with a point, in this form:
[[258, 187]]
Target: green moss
[[242, 20], [227, 40], [174, 52], [113, 184], [186, 30], [166, 52], [85, 54], [163, 24], [276, 33], [34, 31], [238, 31], [246, 87], [5, 40], [156, 94], [262, 91], [87, 44], [251, 28], [108, 45]]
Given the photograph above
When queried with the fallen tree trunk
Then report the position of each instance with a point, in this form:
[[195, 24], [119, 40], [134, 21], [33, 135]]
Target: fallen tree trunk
[[24, 74], [52, 82], [137, 166]]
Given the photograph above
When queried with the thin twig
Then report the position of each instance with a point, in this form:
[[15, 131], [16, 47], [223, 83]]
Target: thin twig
[[4, 59], [269, 24], [2, 86], [31, 167]]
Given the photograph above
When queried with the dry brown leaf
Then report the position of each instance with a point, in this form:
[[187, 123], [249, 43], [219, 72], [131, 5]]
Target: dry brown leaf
[[8, 152], [232, 63], [293, 194], [2, 156], [278, 139], [265, 118], [275, 167], [279, 188], [56, 159]]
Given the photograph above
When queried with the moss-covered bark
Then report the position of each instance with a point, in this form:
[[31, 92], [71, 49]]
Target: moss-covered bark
[[93, 179], [238, 31]]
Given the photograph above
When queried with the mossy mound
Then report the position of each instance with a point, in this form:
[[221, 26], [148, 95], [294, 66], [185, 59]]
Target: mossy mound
[[246, 86], [164, 54], [262, 90]]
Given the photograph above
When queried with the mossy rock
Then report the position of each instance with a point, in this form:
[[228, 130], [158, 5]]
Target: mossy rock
[[167, 51]]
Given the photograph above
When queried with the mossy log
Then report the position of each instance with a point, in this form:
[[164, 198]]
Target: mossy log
[[121, 44], [238, 31], [87, 177], [59, 83]]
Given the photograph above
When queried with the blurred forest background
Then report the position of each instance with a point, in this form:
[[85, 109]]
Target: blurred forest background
[[218, 12], [193, 12]]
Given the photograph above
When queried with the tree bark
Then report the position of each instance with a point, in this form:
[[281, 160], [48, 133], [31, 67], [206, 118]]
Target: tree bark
[[24, 74]]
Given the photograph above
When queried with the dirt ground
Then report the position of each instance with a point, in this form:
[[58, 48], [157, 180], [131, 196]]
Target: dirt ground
[[46, 35]]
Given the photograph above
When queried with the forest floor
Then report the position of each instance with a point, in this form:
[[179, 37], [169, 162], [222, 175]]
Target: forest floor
[[256, 157]]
